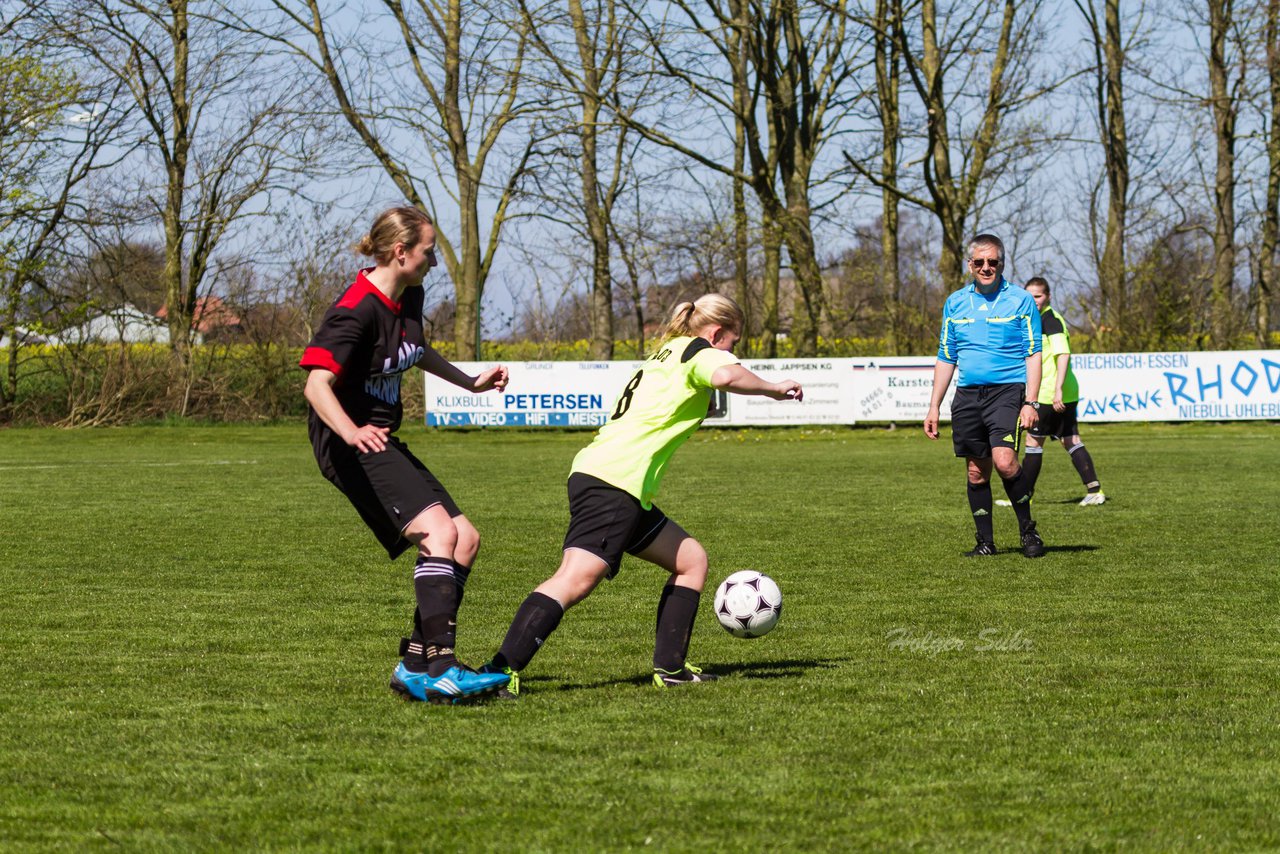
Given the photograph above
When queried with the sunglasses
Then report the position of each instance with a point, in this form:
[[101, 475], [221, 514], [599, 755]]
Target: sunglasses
[[979, 263]]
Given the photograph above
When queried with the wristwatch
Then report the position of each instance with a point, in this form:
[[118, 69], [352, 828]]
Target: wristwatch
[[1033, 404]]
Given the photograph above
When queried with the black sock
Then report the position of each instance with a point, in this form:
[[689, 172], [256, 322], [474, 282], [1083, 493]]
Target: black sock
[[1084, 465], [460, 575], [412, 649], [980, 504], [676, 609], [1016, 488], [1031, 467], [534, 622], [437, 594]]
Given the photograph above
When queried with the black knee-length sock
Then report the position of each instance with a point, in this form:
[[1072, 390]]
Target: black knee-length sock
[[437, 595], [677, 608], [1084, 467], [980, 506], [1031, 462], [534, 622], [1019, 493]]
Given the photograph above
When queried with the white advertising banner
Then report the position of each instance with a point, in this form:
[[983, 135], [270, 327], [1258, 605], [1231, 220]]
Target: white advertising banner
[[1232, 385], [540, 394], [1219, 386], [827, 391], [894, 389], [579, 394]]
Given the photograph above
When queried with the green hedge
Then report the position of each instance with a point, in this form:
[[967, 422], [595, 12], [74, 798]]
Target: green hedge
[[579, 351], [124, 384]]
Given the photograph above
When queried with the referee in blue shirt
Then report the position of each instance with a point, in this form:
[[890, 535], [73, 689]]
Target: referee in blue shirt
[[991, 332]]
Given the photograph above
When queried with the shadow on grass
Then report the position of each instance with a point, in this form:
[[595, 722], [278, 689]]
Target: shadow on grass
[[784, 669], [1068, 549], [1017, 550]]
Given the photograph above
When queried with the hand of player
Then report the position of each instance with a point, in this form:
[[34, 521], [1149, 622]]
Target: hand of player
[[1058, 405], [788, 390], [495, 378], [369, 439], [931, 423]]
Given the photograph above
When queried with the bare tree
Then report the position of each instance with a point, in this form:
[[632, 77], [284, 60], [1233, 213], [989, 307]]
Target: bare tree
[[737, 56], [1224, 99], [799, 63], [885, 27], [969, 135], [588, 50], [215, 115], [440, 97], [1108, 91], [1202, 169], [634, 220], [59, 129], [1267, 268]]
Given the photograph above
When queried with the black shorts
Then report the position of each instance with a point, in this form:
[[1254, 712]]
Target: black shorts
[[985, 417], [607, 521], [1053, 424], [388, 488]]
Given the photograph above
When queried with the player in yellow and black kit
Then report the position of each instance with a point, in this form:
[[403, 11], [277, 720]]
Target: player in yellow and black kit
[[1059, 396], [613, 482]]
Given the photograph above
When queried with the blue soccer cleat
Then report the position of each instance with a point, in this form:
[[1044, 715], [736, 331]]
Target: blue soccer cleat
[[455, 685]]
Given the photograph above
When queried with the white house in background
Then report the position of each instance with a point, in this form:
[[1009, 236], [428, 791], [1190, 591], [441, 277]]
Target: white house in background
[[125, 323], [25, 336]]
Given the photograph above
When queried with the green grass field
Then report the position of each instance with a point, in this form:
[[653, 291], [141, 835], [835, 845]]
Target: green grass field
[[196, 634]]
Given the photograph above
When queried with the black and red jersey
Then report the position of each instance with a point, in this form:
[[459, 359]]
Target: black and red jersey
[[368, 341]]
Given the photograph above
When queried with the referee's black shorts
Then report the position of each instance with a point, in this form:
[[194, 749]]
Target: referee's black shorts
[[388, 488], [985, 417], [608, 522]]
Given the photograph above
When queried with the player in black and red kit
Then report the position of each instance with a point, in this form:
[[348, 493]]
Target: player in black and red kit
[[367, 340]]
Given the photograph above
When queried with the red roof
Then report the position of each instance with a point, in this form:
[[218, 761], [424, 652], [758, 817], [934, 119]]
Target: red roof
[[210, 313]]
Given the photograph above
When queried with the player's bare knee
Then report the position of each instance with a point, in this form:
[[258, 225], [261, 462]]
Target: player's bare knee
[[468, 542], [571, 583], [439, 539], [692, 562]]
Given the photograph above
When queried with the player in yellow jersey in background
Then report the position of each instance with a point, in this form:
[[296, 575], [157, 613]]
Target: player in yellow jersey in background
[[1059, 395], [613, 481]]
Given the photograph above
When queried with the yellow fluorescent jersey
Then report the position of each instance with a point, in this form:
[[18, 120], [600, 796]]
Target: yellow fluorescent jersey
[[1057, 340], [662, 405]]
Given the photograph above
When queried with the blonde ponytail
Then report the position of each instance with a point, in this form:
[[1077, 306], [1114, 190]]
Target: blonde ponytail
[[690, 318]]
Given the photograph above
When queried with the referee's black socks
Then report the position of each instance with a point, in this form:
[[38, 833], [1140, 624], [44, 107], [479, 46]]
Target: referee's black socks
[[980, 506], [1018, 488]]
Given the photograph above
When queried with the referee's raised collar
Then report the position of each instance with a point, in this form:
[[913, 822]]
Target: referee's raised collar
[[1004, 285]]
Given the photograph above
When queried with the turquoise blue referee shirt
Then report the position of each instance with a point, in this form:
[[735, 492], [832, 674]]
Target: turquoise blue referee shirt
[[989, 336]]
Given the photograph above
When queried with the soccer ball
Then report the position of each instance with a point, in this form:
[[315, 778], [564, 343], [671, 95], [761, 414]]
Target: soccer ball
[[748, 604]]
